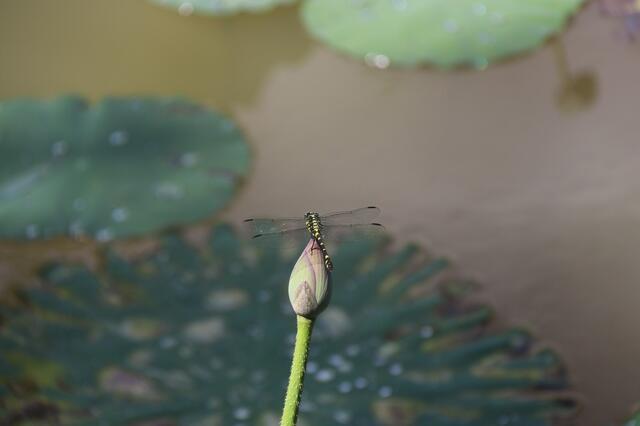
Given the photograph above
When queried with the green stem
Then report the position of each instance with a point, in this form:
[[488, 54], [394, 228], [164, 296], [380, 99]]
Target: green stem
[[296, 379]]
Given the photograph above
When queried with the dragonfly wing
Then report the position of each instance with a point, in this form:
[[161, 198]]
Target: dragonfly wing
[[285, 239], [358, 216], [258, 226], [345, 233]]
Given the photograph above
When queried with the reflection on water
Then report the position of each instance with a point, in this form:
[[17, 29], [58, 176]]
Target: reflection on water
[[578, 91], [133, 47]]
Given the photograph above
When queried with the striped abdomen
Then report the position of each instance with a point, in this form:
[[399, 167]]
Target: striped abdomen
[[314, 226]]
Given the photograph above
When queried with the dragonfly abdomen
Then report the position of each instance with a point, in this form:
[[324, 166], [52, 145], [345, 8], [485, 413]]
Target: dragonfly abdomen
[[314, 226]]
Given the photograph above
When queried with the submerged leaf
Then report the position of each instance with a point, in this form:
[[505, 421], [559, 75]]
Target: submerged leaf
[[122, 167], [209, 340], [634, 420]]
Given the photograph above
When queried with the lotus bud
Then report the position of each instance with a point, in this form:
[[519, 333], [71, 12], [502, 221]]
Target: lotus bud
[[310, 282]]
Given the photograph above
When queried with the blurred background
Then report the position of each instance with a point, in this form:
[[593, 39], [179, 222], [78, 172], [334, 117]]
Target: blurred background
[[532, 191]]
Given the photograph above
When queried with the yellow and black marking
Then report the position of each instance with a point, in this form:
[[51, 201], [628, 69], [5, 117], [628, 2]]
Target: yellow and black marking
[[314, 226]]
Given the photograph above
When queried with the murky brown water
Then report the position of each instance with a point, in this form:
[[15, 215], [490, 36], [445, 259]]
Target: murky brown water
[[542, 205]]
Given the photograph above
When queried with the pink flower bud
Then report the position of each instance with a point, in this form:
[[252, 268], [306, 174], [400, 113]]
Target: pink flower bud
[[310, 282]]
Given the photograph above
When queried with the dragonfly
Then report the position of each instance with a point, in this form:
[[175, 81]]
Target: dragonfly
[[350, 223]]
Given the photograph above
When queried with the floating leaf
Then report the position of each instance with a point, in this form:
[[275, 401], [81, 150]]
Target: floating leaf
[[634, 420], [122, 167], [398, 345], [444, 33], [221, 7]]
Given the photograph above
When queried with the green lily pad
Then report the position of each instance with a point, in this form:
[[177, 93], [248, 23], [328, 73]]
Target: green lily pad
[[189, 337], [634, 420], [122, 167], [443, 33], [221, 7]]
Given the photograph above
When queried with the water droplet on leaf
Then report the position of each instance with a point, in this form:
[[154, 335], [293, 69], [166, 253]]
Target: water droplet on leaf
[[325, 375], [385, 392], [185, 9], [119, 214], [104, 234], [58, 149], [118, 138], [242, 413], [31, 231]]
